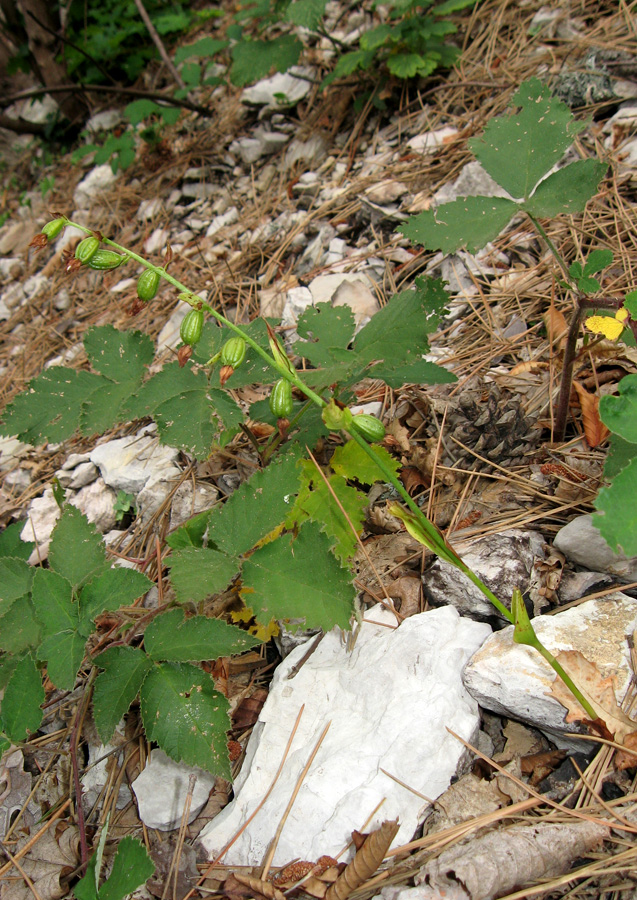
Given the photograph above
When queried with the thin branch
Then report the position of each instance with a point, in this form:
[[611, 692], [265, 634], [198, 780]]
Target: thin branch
[[158, 43], [105, 89]]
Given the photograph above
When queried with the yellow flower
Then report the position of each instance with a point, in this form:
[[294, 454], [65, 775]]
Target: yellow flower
[[611, 328]]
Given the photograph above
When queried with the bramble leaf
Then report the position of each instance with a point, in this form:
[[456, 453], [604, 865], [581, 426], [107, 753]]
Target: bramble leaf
[[12, 545], [253, 60], [306, 13], [19, 628], [132, 867], [620, 453], [280, 580], [204, 48], [16, 576], [566, 191], [53, 601], [324, 328], [353, 463], [172, 637], [23, 697], [619, 414], [111, 589], [63, 654], [117, 687], [191, 533], [186, 716], [618, 524], [466, 223], [197, 573], [77, 550], [518, 149], [255, 508]]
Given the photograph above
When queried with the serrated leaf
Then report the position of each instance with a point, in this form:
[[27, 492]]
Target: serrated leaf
[[53, 602], [63, 654], [413, 371], [316, 502], [22, 701], [324, 328], [306, 13], [16, 576], [254, 369], [618, 524], [204, 48], [132, 867], [281, 580], [116, 587], [172, 637], [19, 628], [620, 453], [630, 302], [598, 260], [12, 545], [50, 409], [77, 550], [253, 60], [255, 508], [467, 223], [197, 573], [191, 533], [566, 191], [119, 355], [353, 463], [186, 716], [517, 150], [620, 413], [117, 687], [408, 65], [306, 431]]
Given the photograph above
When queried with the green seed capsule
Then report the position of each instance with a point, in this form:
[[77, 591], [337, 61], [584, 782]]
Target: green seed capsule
[[147, 285], [233, 352], [53, 228], [86, 249], [191, 327], [281, 399], [105, 259], [369, 426]]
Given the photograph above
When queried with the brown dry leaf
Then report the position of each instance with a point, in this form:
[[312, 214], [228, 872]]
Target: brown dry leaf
[[366, 861], [247, 712], [504, 860], [624, 759], [54, 856], [186, 876], [556, 326], [539, 766], [397, 436], [413, 479], [263, 888], [530, 365], [408, 589], [382, 522], [15, 788], [595, 431], [599, 691], [466, 799]]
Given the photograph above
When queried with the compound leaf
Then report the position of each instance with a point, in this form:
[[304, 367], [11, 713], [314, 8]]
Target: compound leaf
[[186, 716], [19, 628], [117, 586], [53, 601], [199, 572], [519, 149], [255, 508], [16, 576], [253, 60], [620, 413], [132, 867], [174, 638], [324, 327], [353, 463], [281, 580], [63, 654], [119, 355], [618, 524], [117, 687], [23, 697], [76, 550], [12, 545], [566, 191], [466, 223]]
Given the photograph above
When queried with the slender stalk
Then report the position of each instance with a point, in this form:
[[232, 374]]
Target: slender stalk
[[549, 243]]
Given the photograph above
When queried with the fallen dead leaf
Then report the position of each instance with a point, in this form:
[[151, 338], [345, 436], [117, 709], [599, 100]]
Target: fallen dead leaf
[[556, 326], [408, 589], [367, 859], [595, 431]]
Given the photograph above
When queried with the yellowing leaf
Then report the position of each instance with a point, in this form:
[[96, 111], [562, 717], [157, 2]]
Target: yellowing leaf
[[611, 328]]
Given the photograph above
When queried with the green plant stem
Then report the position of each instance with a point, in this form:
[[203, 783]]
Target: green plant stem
[[560, 261], [566, 678]]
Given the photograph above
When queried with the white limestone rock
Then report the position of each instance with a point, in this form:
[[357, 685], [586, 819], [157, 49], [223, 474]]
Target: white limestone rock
[[128, 463], [281, 90], [389, 702], [97, 502], [584, 545], [98, 181], [161, 790]]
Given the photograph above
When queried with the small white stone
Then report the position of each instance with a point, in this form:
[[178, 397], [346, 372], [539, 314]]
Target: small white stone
[[149, 209], [156, 241], [97, 502], [282, 89], [128, 463], [98, 181], [584, 545], [162, 788], [431, 140], [229, 217]]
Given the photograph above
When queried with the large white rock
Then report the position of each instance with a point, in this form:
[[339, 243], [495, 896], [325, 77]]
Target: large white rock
[[128, 463], [584, 545], [162, 788], [282, 89], [388, 703], [514, 680]]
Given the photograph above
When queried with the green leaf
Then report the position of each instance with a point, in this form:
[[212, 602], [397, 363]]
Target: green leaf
[[23, 698], [197, 573], [418, 371], [280, 580], [141, 109], [11, 545], [348, 63], [116, 587], [630, 302], [121, 356], [408, 65], [452, 6], [566, 191], [620, 413], [50, 409], [519, 149], [598, 260], [380, 36], [620, 453], [316, 502], [77, 550], [306, 13], [186, 716], [53, 601], [618, 524], [172, 637], [117, 687], [353, 463], [309, 427], [257, 507], [132, 867], [19, 628], [324, 328], [204, 48], [253, 60], [466, 223], [191, 533], [63, 654], [16, 576]]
